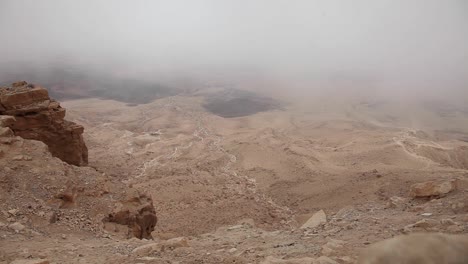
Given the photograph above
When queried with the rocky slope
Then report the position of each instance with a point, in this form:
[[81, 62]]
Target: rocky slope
[[41, 118]]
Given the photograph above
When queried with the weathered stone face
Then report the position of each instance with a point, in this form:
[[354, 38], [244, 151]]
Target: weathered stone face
[[137, 213], [40, 118]]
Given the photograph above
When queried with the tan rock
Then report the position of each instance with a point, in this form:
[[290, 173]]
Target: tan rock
[[447, 222], [426, 223], [137, 213], [423, 248], [397, 202], [432, 188], [454, 229], [319, 218], [6, 120], [331, 246], [36, 116], [17, 227], [6, 132]]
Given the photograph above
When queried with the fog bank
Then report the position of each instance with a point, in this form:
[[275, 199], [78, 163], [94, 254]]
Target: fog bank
[[401, 48]]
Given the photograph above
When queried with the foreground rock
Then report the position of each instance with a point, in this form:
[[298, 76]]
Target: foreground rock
[[429, 248], [432, 188], [137, 213], [319, 218], [38, 117]]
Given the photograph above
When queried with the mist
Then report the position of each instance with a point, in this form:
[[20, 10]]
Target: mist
[[404, 49]]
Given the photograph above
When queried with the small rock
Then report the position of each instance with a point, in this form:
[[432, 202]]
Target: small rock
[[13, 212], [397, 202], [426, 214], [319, 218], [232, 250], [426, 223], [17, 227], [447, 222], [455, 229], [22, 157], [234, 227], [432, 188], [6, 132], [333, 244]]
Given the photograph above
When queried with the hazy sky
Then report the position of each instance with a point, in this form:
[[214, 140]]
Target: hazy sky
[[397, 44]]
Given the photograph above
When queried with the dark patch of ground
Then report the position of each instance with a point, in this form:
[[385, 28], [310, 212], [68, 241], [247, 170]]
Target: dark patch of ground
[[236, 103]]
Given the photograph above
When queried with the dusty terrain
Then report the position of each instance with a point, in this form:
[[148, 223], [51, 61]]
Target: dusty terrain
[[237, 190]]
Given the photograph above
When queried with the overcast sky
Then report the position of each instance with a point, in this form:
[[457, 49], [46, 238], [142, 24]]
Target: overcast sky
[[400, 45]]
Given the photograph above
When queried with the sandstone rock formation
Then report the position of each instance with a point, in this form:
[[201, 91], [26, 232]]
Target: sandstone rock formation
[[41, 118], [137, 213]]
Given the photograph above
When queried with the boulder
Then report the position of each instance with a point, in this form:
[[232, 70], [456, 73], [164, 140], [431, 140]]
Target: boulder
[[432, 188], [137, 213], [427, 248], [31, 114], [317, 219]]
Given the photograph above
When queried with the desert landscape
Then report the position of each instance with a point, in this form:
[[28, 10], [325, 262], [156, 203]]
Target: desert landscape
[[234, 132], [276, 186]]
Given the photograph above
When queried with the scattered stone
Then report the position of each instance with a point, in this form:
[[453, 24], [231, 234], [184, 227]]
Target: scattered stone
[[319, 218], [426, 214], [432, 188], [232, 250]]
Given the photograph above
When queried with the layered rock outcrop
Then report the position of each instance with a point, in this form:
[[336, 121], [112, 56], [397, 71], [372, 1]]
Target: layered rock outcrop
[[38, 117], [137, 213]]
